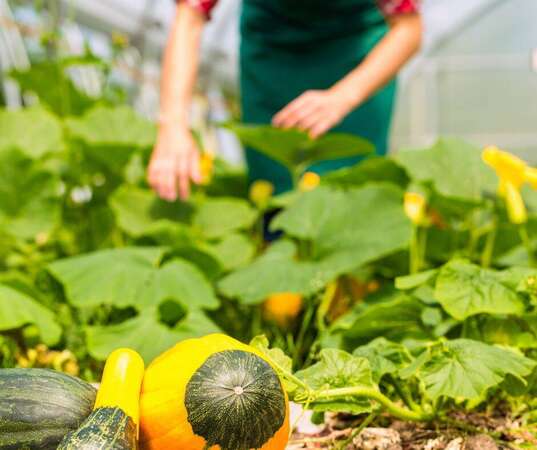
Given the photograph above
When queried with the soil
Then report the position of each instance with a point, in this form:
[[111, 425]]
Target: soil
[[459, 431]]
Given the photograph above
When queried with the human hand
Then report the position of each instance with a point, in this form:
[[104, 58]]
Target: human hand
[[175, 163], [315, 112]]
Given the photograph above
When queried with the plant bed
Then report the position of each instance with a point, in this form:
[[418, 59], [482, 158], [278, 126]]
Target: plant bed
[[495, 430]]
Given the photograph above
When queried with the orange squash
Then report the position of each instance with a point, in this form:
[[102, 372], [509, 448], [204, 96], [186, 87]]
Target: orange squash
[[282, 308], [213, 393]]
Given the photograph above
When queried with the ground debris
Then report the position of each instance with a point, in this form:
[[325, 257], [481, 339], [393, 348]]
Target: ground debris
[[377, 439]]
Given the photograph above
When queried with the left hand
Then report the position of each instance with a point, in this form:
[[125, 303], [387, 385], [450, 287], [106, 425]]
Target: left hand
[[315, 112]]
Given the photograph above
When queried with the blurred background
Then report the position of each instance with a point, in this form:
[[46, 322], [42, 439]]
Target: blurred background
[[476, 76]]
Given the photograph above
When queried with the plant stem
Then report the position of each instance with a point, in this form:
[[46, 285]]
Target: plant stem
[[371, 393], [405, 395], [488, 251], [414, 250], [299, 342], [355, 433], [525, 238]]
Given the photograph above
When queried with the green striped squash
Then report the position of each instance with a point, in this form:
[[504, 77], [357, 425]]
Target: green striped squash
[[39, 406]]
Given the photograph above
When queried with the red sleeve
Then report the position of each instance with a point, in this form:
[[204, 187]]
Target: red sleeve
[[204, 6], [394, 7]]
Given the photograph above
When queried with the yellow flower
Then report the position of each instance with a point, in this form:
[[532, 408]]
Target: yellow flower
[[260, 192], [531, 177], [509, 168], [516, 209], [415, 207], [512, 172], [309, 181], [206, 168], [282, 308]]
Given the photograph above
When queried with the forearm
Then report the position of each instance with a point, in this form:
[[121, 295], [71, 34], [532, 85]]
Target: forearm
[[180, 66], [384, 62]]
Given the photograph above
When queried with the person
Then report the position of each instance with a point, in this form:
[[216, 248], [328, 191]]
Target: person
[[317, 65]]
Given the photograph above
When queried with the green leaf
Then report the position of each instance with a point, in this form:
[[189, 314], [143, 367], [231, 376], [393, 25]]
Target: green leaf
[[233, 251], [29, 196], [146, 335], [118, 126], [35, 132], [18, 309], [351, 228], [513, 332], [453, 167], [219, 217], [397, 317], [413, 281], [339, 369], [140, 212], [464, 289], [384, 357], [374, 169], [276, 355], [112, 134], [181, 281], [48, 79], [464, 369], [294, 148], [131, 277], [274, 272]]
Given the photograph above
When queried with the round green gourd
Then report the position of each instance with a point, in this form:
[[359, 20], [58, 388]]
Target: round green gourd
[[39, 406]]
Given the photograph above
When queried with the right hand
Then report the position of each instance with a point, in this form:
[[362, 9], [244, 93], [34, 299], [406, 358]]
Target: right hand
[[175, 163]]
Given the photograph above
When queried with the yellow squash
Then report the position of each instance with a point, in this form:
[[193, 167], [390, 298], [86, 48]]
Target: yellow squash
[[213, 393]]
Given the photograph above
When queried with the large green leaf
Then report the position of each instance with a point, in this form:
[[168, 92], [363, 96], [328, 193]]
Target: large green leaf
[[218, 217], [233, 251], [29, 196], [338, 369], [178, 280], [48, 79], [140, 212], [18, 309], [131, 277], [375, 169], [396, 317], [275, 271], [146, 334], [112, 134], [384, 357], [349, 228], [294, 148], [464, 289], [35, 132], [453, 167], [467, 369]]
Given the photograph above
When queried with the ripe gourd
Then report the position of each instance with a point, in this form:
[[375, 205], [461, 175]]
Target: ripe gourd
[[113, 424], [39, 406], [282, 308], [213, 393]]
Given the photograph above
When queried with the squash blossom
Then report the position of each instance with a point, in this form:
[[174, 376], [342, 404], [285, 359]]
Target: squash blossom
[[206, 168], [282, 308], [415, 207], [309, 181], [512, 173], [260, 192]]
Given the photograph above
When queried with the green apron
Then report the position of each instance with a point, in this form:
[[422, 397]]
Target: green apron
[[291, 46]]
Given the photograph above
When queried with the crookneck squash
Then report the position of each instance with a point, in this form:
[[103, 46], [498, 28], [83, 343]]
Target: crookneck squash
[[39, 406], [113, 424], [213, 393]]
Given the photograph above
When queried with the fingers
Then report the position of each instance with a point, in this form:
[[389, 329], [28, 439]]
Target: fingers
[[195, 169], [161, 177], [183, 176], [290, 115]]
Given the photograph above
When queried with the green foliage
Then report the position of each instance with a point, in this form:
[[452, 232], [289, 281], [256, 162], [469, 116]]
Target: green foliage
[[92, 260], [295, 150], [18, 310]]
